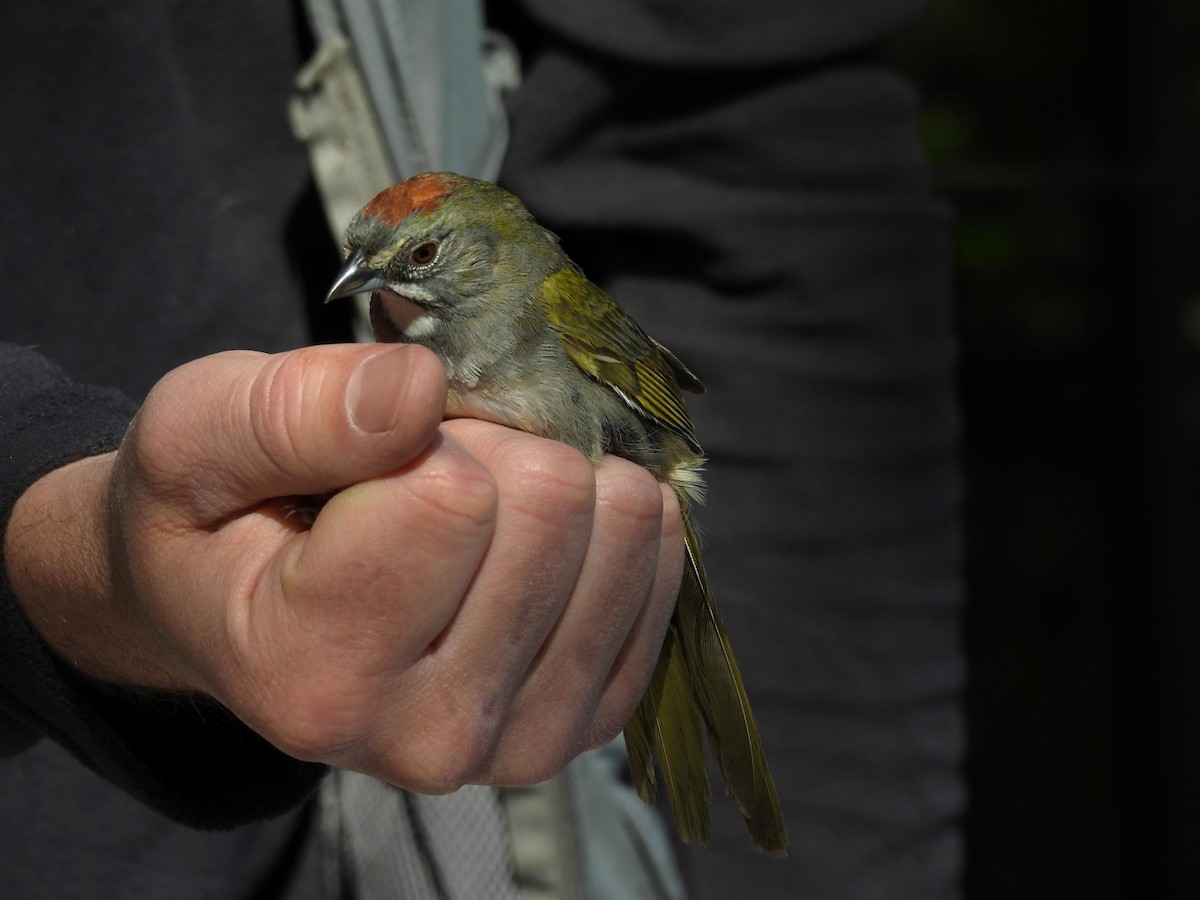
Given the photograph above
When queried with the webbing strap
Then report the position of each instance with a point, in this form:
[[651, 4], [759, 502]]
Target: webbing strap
[[395, 89]]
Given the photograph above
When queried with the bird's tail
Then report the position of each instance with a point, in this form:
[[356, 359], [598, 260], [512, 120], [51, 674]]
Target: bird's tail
[[697, 678]]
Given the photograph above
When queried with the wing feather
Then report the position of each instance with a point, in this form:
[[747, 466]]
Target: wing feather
[[608, 345]]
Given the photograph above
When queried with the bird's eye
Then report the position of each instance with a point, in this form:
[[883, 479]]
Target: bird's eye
[[423, 254]]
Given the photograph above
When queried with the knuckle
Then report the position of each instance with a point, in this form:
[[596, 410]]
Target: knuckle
[[160, 444], [615, 710], [554, 476], [608, 727], [551, 754], [631, 492], [459, 753], [454, 767], [526, 763], [316, 723], [457, 490], [303, 691], [543, 738], [626, 686], [540, 767], [460, 732]]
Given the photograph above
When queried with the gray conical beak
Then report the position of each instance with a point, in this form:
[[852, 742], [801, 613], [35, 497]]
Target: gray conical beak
[[356, 277]]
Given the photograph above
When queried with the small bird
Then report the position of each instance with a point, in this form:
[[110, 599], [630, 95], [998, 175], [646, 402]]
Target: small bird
[[460, 266]]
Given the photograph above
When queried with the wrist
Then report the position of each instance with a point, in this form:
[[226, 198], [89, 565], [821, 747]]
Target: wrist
[[58, 559]]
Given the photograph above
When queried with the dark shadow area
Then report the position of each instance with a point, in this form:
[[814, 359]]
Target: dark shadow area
[[1067, 137]]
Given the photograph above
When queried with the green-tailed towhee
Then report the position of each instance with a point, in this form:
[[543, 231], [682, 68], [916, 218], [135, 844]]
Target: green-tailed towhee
[[461, 266]]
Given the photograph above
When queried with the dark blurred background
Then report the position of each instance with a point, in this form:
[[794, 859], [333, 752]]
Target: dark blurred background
[[1067, 137]]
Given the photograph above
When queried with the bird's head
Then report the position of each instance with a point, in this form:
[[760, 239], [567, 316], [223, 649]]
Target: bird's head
[[437, 248]]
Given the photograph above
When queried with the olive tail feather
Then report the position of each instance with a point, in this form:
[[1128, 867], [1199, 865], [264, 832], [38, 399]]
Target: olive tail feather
[[697, 678], [668, 722], [721, 696]]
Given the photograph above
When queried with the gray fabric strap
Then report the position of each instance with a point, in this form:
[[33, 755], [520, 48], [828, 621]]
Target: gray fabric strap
[[425, 62], [586, 835], [383, 843], [546, 844], [397, 88], [627, 850]]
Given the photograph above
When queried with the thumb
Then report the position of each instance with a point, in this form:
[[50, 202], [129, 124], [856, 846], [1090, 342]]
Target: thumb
[[229, 431]]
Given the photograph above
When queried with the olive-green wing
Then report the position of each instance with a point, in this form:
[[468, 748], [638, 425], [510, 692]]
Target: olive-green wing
[[607, 344]]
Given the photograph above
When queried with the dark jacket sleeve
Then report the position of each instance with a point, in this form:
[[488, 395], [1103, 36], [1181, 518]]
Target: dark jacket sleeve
[[745, 178], [186, 757]]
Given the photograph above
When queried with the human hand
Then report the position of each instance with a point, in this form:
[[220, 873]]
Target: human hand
[[471, 604]]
